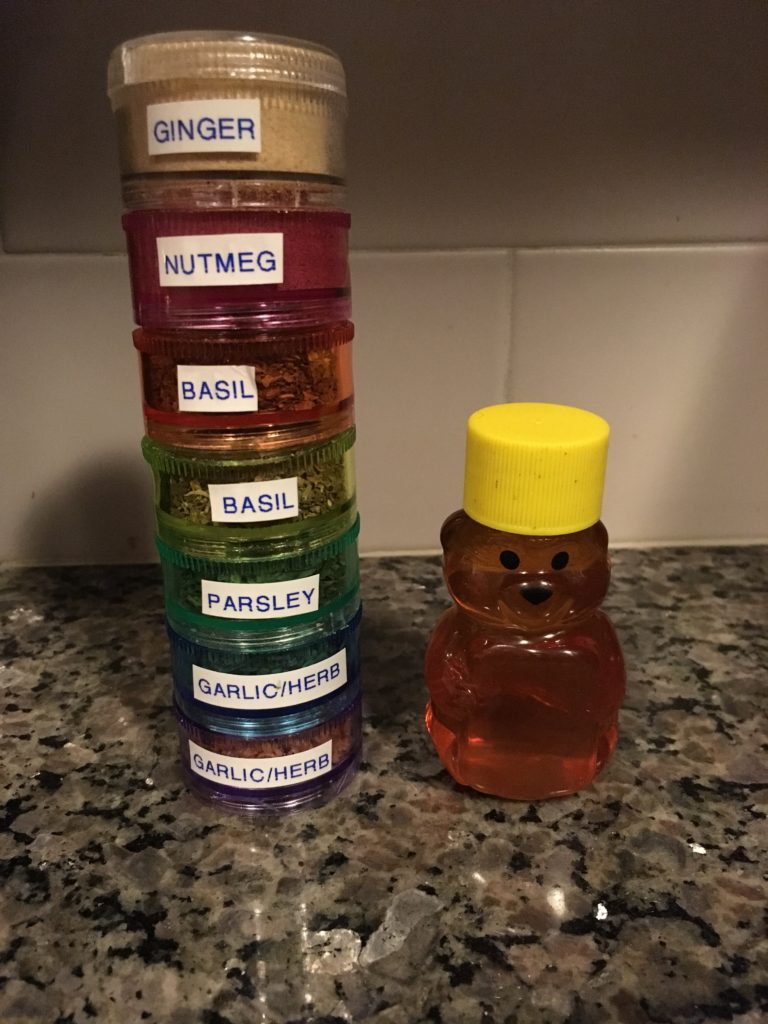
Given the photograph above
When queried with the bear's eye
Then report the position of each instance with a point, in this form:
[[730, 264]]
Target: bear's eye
[[560, 560], [509, 559]]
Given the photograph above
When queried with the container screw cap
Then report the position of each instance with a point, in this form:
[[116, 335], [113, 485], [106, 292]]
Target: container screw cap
[[534, 468]]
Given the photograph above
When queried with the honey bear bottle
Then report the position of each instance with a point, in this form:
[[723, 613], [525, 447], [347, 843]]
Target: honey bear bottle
[[525, 673]]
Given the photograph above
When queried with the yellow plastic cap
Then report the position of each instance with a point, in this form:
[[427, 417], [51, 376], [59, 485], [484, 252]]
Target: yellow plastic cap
[[534, 468]]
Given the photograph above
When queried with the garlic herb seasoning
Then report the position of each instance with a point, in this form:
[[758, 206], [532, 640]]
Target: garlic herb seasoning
[[236, 684], [259, 774]]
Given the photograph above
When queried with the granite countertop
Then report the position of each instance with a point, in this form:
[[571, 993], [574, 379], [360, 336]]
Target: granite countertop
[[407, 899]]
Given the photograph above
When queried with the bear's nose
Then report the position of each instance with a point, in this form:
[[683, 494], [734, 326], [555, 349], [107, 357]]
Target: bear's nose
[[536, 593]]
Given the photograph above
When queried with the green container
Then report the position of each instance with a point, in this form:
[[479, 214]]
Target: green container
[[239, 597], [214, 504]]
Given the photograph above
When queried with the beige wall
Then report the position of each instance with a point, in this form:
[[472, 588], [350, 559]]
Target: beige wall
[[557, 200]]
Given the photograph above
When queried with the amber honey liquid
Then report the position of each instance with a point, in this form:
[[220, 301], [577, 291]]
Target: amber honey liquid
[[525, 674]]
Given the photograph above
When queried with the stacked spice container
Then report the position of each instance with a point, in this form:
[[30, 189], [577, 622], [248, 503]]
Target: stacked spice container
[[232, 162]]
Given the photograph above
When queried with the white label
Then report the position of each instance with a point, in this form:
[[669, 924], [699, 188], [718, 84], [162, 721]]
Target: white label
[[261, 772], [254, 502], [186, 261], [278, 690], [217, 388], [204, 126], [260, 600]]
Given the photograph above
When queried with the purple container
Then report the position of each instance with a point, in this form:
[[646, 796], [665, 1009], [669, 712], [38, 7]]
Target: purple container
[[238, 268], [271, 774]]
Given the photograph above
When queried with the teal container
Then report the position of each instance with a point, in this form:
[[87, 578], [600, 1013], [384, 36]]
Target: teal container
[[283, 680], [240, 597]]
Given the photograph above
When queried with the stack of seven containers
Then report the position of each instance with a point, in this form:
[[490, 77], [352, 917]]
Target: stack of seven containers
[[232, 163]]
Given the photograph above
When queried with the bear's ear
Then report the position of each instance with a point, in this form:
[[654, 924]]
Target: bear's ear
[[450, 528]]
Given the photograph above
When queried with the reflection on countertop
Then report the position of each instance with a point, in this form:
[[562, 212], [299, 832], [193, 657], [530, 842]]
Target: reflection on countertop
[[407, 899]]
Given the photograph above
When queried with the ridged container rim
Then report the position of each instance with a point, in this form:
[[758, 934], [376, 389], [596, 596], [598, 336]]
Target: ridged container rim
[[219, 190], [177, 343], [220, 55], [268, 725], [256, 432], [217, 567], [261, 644], [196, 461], [252, 220], [188, 723], [287, 631], [218, 542]]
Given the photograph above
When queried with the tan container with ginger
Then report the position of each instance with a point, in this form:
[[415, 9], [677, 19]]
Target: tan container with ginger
[[214, 102]]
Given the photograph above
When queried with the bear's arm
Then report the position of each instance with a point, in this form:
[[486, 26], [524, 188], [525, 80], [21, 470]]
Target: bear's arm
[[448, 667]]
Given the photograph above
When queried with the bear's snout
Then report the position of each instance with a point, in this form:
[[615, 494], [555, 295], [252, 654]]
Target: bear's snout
[[536, 593]]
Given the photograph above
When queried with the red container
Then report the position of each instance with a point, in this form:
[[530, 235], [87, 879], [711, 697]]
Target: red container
[[238, 269], [231, 388]]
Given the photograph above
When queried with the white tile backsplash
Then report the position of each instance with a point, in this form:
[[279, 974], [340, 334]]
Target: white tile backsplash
[[432, 344], [76, 487], [667, 343]]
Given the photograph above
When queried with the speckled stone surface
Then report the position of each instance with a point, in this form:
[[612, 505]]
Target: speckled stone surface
[[406, 900]]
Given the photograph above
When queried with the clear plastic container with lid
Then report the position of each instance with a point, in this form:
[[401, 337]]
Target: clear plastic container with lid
[[217, 389], [297, 673], [217, 102], [232, 503]]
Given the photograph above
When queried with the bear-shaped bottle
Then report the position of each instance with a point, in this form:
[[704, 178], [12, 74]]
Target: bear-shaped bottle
[[525, 673]]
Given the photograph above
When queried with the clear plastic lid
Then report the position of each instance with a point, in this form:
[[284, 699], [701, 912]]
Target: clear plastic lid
[[227, 653], [272, 562], [217, 346], [225, 55], [250, 725], [273, 457], [177, 192], [233, 639]]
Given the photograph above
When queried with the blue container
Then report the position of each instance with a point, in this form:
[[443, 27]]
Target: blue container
[[269, 683]]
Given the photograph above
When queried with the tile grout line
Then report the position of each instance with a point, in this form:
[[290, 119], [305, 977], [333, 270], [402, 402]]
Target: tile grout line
[[15, 565], [597, 247], [511, 262]]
